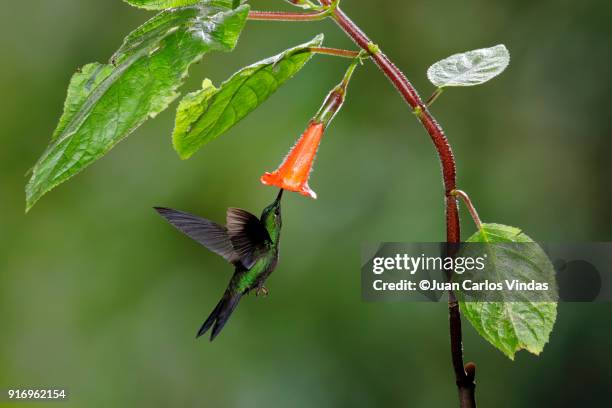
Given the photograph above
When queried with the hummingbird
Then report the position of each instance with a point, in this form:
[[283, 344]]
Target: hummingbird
[[247, 242]]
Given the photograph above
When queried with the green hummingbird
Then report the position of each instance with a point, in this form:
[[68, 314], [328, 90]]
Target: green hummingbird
[[247, 242]]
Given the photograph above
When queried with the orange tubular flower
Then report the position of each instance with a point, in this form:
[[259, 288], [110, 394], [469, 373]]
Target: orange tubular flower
[[294, 172]]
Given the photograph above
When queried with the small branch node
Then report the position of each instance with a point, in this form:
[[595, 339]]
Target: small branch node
[[470, 371], [373, 49]]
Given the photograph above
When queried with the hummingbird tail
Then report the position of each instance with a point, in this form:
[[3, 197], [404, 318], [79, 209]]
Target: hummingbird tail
[[220, 315]]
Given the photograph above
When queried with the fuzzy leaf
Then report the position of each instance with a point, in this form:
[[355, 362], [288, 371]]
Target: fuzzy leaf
[[160, 4], [106, 102], [470, 68], [205, 114], [512, 326]]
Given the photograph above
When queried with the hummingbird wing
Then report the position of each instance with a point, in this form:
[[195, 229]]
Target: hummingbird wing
[[212, 235], [248, 236]]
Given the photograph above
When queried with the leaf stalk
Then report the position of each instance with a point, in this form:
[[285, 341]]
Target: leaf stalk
[[468, 203], [288, 16], [336, 52], [434, 97]]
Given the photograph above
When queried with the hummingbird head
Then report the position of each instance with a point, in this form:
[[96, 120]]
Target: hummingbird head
[[271, 217]]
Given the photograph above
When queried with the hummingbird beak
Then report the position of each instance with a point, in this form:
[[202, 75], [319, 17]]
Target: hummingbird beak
[[279, 197], [277, 203]]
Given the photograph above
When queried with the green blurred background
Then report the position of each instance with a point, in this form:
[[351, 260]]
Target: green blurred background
[[100, 296]]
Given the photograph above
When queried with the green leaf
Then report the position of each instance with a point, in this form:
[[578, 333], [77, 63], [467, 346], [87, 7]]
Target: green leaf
[[166, 4], [511, 326], [160, 4], [205, 114], [106, 102], [470, 68]]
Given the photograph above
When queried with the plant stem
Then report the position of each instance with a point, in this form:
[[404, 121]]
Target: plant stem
[[283, 16], [468, 202], [434, 97], [464, 375], [351, 69], [337, 52]]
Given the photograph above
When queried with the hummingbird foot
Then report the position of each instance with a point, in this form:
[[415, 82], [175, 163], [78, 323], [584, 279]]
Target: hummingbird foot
[[262, 290]]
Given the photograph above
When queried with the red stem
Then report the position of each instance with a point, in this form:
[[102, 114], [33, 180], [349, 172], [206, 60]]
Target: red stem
[[411, 96], [464, 375], [283, 16]]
